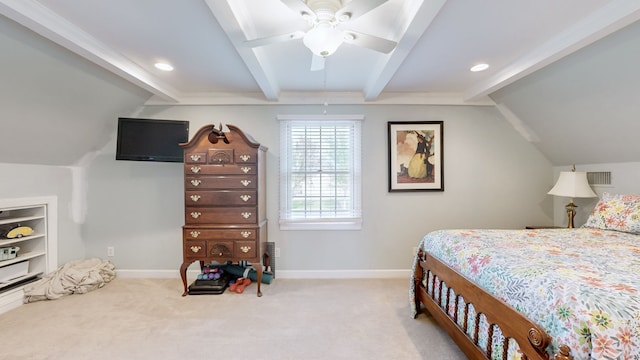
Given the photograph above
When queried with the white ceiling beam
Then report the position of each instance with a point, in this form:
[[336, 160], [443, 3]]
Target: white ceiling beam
[[50, 25], [254, 58], [611, 17], [422, 13]]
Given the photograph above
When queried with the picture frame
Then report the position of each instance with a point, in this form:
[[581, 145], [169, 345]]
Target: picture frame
[[416, 156]]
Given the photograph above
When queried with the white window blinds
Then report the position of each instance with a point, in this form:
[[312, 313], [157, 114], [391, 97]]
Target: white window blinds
[[320, 172]]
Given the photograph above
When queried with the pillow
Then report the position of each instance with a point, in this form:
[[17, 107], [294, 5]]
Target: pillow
[[616, 212]]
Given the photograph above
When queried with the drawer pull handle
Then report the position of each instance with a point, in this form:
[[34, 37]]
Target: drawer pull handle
[[245, 169], [245, 249], [195, 198], [195, 214], [195, 182], [195, 169], [195, 234], [245, 182], [195, 157], [195, 249], [245, 158], [245, 214], [245, 198], [245, 234]]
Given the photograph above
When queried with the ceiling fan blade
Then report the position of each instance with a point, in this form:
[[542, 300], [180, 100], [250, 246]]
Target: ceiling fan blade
[[357, 8], [299, 7], [317, 63], [369, 41], [274, 39]]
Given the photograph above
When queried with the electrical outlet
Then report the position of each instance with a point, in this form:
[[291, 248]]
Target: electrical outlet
[[277, 252], [111, 251]]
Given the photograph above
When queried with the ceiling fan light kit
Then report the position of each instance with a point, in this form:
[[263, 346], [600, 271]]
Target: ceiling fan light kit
[[323, 40], [328, 29]]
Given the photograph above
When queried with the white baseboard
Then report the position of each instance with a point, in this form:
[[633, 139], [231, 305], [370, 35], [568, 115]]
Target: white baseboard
[[281, 274], [11, 300], [343, 274]]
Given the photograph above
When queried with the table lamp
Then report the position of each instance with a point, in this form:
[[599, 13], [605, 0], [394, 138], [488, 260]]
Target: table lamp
[[572, 184]]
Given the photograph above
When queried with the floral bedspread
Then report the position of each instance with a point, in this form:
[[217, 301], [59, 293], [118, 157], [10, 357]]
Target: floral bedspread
[[580, 285]]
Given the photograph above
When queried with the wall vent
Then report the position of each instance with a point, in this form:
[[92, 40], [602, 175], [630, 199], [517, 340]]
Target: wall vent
[[599, 178]]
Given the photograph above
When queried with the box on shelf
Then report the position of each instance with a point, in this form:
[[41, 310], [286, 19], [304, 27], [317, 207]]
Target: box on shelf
[[9, 252], [10, 272]]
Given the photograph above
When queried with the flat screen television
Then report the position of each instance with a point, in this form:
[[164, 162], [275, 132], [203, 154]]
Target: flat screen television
[[151, 139]]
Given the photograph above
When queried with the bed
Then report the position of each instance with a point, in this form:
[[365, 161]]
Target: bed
[[539, 293]]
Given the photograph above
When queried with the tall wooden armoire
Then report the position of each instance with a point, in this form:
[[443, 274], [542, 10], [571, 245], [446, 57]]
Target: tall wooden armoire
[[225, 207]]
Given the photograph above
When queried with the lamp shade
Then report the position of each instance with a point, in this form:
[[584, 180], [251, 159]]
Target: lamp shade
[[572, 184], [323, 40]]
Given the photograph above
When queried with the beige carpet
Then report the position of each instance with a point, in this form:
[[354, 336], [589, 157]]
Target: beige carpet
[[294, 319]]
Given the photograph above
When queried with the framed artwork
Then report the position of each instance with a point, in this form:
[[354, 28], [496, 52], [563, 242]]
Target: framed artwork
[[416, 156]]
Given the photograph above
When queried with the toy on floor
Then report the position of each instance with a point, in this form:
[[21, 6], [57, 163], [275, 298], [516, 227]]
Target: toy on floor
[[239, 285]]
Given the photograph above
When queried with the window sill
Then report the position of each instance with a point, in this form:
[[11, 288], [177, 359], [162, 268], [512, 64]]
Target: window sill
[[288, 225]]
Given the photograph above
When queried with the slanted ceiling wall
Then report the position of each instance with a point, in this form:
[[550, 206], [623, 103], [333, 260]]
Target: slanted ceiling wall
[[55, 106], [585, 108]]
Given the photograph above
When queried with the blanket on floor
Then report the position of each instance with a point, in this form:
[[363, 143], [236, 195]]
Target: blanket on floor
[[75, 277]]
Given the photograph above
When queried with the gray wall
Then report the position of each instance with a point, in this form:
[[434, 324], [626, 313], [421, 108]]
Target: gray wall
[[584, 108], [55, 111], [493, 178], [55, 106], [22, 181], [624, 180]]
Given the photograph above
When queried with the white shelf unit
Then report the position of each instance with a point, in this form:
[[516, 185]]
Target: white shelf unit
[[38, 250]]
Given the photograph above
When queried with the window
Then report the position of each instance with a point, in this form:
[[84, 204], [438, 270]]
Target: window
[[320, 172]]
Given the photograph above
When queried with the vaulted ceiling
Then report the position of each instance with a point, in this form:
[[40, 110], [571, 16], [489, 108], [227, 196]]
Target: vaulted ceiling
[[437, 42], [550, 62]]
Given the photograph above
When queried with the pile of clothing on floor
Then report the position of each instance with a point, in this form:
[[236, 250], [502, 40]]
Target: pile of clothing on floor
[[75, 277]]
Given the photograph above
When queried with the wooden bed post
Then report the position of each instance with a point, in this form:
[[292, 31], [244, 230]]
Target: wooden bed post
[[563, 354], [417, 279]]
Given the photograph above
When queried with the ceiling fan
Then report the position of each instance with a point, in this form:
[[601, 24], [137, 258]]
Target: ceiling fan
[[328, 28]]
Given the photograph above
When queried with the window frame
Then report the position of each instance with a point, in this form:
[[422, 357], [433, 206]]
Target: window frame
[[353, 221]]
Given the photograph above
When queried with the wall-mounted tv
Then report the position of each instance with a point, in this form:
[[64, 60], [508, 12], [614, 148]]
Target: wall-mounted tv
[[151, 139]]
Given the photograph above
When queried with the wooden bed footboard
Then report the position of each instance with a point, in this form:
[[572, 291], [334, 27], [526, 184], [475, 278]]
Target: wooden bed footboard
[[531, 339]]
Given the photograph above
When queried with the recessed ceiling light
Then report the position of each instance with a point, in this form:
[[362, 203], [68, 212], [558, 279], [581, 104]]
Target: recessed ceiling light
[[164, 66], [479, 67]]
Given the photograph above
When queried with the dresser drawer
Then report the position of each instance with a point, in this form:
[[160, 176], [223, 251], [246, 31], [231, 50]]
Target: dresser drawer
[[195, 158], [221, 182], [221, 197], [195, 169], [220, 250], [245, 249], [233, 215], [194, 249], [220, 156], [195, 233], [245, 156]]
